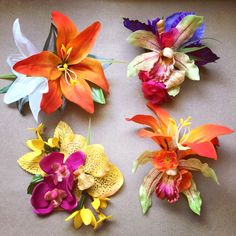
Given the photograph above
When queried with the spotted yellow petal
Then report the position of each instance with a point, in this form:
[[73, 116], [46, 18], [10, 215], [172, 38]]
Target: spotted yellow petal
[[78, 221], [96, 163], [30, 162], [107, 185], [85, 181], [62, 131], [35, 144]]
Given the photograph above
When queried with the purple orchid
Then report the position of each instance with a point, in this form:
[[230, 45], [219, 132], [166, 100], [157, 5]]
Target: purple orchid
[[47, 196], [54, 164]]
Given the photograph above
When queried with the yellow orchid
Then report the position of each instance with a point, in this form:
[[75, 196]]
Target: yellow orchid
[[30, 161], [99, 203], [103, 178]]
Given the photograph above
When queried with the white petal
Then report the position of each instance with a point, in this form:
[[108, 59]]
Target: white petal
[[13, 59], [36, 97], [21, 87], [25, 47]]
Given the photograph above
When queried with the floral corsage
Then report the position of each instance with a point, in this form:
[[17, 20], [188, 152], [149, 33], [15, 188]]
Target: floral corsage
[[70, 174], [175, 160], [175, 50], [64, 70]]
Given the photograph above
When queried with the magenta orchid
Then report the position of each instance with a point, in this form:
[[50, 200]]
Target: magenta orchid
[[175, 52], [53, 164], [47, 196]]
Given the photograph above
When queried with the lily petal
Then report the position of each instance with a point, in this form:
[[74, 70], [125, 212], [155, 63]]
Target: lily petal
[[144, 39], [22, 87], [83, 43], [66, 30], [91, 70], [13, 59], [42, 64], [143, 62], [51, 101], [80, 94], [24, 45]]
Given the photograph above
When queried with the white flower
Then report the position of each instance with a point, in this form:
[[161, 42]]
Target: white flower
[[33, 87]]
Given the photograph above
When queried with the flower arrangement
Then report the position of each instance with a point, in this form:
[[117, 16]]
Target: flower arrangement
[[175, 51], [70, 174], [175, 161], [64, 70]]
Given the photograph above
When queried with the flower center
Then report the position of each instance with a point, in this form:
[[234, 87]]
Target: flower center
[[166, 160], [55, 196], [60, 172], [168, 52], [70, 75]]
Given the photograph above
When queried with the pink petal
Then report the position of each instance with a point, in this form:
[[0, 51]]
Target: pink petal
[[75, 160]]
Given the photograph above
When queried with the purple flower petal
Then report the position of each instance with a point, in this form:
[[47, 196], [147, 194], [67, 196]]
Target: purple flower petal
[[75, 160], [203, 56], [173, 20], [47, 162], [153, 24], [135, 25], [69, 203], [37, 199], [44, 211]]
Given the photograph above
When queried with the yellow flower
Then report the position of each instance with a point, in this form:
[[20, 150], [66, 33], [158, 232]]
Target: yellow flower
[[99, 203], [30, 161]]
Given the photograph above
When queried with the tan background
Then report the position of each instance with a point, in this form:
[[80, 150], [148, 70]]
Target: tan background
[[211, 100]]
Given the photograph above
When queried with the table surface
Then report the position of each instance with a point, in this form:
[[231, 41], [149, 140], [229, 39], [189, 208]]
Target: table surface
[[212, 100]]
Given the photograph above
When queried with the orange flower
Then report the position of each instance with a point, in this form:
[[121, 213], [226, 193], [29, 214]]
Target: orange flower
[[69, 69]]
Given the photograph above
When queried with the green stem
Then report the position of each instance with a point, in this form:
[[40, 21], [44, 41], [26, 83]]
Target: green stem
[[8, 76], [81, 201]]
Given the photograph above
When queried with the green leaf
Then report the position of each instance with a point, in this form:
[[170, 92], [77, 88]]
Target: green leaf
[[8, 76], [187, 27], [183, 62], [144, 62], [5, 89], [145, 200], [98, 95], [192, 49], [194, 199], [173, 91], [142, 160], [196, 165], [50, 44], [35, 180]]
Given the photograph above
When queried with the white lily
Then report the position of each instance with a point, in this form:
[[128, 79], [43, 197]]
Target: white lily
[[33, 87]]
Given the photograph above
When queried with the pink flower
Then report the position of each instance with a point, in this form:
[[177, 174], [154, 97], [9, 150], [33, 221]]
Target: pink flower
[[47, 196]]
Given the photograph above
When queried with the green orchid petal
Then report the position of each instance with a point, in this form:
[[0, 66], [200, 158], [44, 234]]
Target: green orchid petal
[[187, 28], [194, 199], [192, 49], [183, 62], [142, 160], [196, 165], [144, 62], [98, 95], [147, 188], [144, 39], [173, 91]]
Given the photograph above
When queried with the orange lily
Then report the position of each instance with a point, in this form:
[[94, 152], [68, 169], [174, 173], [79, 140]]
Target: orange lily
[[69, 69]]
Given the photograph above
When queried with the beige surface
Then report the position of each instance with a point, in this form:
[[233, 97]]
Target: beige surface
[[211, 100]]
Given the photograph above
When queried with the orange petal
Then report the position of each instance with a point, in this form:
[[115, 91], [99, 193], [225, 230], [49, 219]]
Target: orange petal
[[145, 120], [91, 70], [79, 93], [164, 118], [83, 43], [185, 182], [66, 30], [205, 149], [43, 64], [51, 101], [206, 133]]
